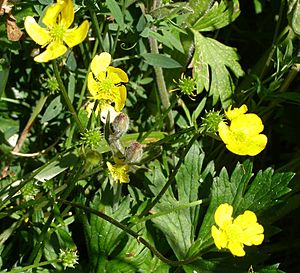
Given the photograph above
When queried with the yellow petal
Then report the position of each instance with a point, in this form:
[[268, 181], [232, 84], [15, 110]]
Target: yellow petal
[[236, 248], [92, 85], [258, 143], [219, 237], [67, 14], [121, 98], [40, 35], [75, 36], [223, 215], [100, 63], [225, 133], [250, 124], [245, 219], [53, 51], [117, 75], [52, 13], [235, 112]]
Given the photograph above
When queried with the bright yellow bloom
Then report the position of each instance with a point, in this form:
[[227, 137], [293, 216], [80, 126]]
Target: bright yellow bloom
[[233, 234], [57, 19], [119, 171], [242, 136], [105, 82]]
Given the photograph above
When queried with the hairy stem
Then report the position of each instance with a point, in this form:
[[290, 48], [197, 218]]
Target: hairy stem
[[66, 96]]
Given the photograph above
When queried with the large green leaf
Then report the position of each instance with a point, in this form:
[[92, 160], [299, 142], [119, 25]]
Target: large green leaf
[[294, 15], [116, 12], [211, 64], [179, 225]]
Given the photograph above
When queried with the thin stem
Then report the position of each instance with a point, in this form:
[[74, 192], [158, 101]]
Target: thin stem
[[25, 268], [171, 178], [96, 27], [134, 234], [161, 85], [66, 96]]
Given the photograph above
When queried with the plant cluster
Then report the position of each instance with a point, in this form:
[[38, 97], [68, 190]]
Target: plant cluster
[[149, 136]]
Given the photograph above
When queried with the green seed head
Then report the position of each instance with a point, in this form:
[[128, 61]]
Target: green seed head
[[210, 122]]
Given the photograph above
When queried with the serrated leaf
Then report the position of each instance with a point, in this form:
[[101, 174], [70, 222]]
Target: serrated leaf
[[212, 63], [116, 12], [219, 15], [179, 225], [160, 60]]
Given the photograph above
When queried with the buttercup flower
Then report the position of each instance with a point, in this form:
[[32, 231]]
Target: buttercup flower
[[119, 171], [242, 136], [105, 82], [233, 234], [57, 19]]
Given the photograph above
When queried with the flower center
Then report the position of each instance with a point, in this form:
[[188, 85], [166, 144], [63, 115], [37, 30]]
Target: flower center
[[57, 32], [105, 87], [233, 232]]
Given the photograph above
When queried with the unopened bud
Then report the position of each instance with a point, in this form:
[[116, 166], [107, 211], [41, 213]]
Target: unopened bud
[[134, 152], [120, 125], [93, 157]]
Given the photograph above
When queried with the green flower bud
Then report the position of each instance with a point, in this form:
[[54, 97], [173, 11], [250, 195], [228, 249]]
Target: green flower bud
[[91, 138], [210, 122], [68, 258], [134, 152], [93, 157]]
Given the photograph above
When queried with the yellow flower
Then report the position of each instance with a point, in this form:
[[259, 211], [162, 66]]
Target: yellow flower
[[57, 19], [105, 82], [233, 234], [242, 136], [119, 171]]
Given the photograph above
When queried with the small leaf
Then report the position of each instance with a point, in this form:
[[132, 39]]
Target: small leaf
[[53, 110], [211, 63], [294, 15], [160, 60], [116, 12]]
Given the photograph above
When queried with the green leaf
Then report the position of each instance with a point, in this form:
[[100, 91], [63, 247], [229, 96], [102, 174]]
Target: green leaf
[[258, 195], [218, 16], [53, 110], [294, 15], [56, 167], [211, 63], [160, 60], [116, 12], [179, 224]]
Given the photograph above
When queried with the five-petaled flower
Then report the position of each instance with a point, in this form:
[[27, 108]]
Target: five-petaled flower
[[242, 136], [57, 19], [106, 83], [233, 234], [119, 171]]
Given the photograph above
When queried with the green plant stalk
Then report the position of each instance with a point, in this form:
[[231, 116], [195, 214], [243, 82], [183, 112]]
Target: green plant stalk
[[25, 268], [162, 89], [134, 234], [66, 96], [96, 27], [171, 178]]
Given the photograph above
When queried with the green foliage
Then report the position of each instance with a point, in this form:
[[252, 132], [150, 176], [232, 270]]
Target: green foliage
[[61, 208]]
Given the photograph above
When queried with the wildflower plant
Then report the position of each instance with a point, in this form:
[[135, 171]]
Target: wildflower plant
[[103, 169]]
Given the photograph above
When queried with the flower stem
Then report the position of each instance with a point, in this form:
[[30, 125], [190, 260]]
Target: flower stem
[[171, 178], [25, 268], [66, 96]]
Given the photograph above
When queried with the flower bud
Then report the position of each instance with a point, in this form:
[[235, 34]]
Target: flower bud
[[120, 125], [210, 122], [93, 157], [134, 152]]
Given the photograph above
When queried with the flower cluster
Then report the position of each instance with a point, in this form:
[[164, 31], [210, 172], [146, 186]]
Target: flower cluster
[[58, 18], [243, 135], [233, 234]]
